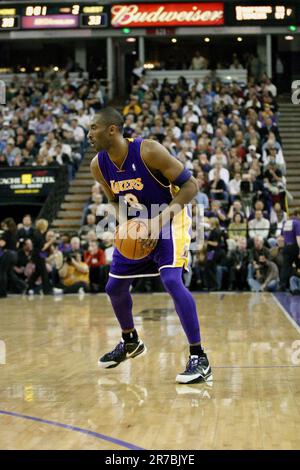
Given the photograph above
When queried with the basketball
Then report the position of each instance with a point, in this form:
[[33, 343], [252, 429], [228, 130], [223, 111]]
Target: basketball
[[127, 239]]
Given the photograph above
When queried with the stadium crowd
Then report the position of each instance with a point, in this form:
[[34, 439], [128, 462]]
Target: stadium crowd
[[225, 134]]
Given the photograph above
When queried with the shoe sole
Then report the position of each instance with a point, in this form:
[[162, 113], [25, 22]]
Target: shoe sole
[[197, 380], [112, 365]]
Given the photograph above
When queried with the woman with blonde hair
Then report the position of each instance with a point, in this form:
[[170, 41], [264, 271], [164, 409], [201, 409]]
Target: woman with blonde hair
[[39, 255]]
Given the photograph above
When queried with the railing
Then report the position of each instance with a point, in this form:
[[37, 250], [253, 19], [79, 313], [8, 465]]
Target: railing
[[225, 75], [56, 195]]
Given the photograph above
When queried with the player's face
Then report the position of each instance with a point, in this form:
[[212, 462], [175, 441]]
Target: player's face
[[98, 135]]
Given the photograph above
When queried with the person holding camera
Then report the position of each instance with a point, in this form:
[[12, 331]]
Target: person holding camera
[[266, 276], [73, 275]]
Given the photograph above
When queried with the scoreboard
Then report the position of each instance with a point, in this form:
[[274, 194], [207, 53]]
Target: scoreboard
[[52, 16]]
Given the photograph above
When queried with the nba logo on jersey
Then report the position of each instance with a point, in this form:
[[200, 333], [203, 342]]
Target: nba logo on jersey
[[133, 167]]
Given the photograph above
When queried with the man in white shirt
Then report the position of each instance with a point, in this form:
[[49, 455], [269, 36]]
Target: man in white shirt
[[190, 106], [224, 174], [235, 185], [259, 226], [78, 132]]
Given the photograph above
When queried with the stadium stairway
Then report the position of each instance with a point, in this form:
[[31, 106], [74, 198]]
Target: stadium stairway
[[70, 213], [289, 127]]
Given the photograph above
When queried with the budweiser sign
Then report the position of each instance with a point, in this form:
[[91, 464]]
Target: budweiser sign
[[167, 14]]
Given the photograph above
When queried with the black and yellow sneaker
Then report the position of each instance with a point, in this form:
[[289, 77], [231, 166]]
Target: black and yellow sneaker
[[122, 352], [197, 370]]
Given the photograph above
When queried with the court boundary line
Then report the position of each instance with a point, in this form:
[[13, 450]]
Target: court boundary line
[[286, 313], [70, 427]]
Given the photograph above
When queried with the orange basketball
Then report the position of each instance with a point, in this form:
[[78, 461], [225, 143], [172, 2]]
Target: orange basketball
[[127, 239]]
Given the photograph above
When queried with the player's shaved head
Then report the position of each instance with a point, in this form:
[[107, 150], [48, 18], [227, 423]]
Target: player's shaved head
[[110, 116]]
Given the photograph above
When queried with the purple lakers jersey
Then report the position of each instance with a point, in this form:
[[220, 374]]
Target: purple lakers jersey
[[134, 181]]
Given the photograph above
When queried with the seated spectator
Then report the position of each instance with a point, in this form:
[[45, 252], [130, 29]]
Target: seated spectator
[[39, 255], [201, 198], [237, 263], [259, 226], [219, 136], [64, 245], [133, 107], [266, 277], [26, 229], [218, 157], [90, 225], [75, 245], [217, 187], [274, 182], [54, 263], [234, 186], [216, 212], [198, 62], [74, 275], [276, 158], [214, 252], [224, 174], [236, 207], [204, 126], [94, 257], [277, 218], [24, 267], [252, 155], [237, 228]]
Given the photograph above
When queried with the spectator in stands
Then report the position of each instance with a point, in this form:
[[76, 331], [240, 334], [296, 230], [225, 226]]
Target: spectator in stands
[[74, 275], [259, 226], [26, 229], [277, 218], [198, 62], [75, 245], [238, 262], [54, 262], [64, 245], [254, 253], [90, 225], [24, 266], [39, 255], [237, 228], [234, 186], [213, 254], [266, 276], [218, 188], [221, 171], [133, 107], [137, 72], [94, 257], [78, 132]]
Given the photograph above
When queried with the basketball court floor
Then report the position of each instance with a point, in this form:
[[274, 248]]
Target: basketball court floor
[[53, 396]]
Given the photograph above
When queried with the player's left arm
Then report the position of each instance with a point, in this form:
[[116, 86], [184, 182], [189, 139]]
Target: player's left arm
[[156, 157]]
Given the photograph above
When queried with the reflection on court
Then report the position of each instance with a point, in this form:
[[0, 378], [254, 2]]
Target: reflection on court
[[51, 374]]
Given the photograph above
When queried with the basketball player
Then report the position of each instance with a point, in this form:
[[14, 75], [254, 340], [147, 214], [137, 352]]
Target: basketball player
[[144, 172]]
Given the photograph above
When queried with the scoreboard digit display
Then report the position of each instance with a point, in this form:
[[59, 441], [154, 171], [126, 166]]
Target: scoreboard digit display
[[52, 16], [263, 13]]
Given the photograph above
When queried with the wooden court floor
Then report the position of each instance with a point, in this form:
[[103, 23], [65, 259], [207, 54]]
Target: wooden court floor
[[53, 396]]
